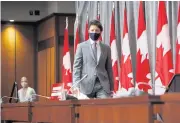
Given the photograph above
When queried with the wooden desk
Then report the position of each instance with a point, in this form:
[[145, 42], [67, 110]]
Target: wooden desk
[[171, 108], [53, 111], [15, 112], [123, 110]]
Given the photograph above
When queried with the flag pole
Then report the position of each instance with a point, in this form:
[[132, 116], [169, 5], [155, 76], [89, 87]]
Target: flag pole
[[113, 5], [98, 10], [77, 26], [66, 22]]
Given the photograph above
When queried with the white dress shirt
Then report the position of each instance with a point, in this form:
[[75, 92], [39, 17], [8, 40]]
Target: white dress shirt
[[98, 48], [25, 96]]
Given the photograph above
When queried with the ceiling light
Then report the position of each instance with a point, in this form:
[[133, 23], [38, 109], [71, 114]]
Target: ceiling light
[[11, 20]]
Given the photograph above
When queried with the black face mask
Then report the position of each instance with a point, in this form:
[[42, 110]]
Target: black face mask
[[94, 36]]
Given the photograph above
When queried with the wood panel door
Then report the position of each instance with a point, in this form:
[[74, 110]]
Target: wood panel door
[[46, 70]]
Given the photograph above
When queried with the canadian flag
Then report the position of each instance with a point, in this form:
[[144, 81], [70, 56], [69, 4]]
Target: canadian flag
[[126, 74], [164, 64], [178, 44], [67, 73], [57, 91], [86, 29], [77, 38], [114, 53], [143, 75]]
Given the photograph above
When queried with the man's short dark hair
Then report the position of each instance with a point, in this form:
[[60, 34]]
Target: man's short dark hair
[[96, 23]]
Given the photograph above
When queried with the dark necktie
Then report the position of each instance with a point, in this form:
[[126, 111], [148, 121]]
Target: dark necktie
[[95, 50]]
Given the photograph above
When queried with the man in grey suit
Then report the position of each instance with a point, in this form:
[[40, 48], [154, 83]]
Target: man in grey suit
[[93, 58]]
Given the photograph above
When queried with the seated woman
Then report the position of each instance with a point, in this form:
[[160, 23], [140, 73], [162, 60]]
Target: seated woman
[[26, 93]]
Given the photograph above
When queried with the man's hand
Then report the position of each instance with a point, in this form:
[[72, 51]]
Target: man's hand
[[76, 92], [112, 93]]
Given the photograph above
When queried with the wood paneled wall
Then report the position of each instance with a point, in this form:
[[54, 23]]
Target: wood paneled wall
[[39, 53], [46, 29], [23, 35], [46, 56]]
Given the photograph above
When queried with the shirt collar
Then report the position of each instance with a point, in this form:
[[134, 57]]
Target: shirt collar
[[92, 42]]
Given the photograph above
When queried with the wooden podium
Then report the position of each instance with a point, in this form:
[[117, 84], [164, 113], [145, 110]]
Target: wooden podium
[[53, 111], [16, 112], [123, 110], [171, 108]]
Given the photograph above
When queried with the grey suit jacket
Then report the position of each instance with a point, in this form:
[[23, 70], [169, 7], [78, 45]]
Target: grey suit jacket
[[84, 63]]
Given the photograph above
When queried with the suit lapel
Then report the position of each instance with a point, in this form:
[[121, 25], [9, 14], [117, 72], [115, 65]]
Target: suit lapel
[[101, 51]]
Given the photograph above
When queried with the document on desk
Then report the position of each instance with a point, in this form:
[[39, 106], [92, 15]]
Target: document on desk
[[76, 93], [82, 96]]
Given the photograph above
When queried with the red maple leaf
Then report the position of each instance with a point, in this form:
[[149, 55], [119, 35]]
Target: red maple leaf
[[145, 87], [164, 65], [67, 78], [142, 69], [126, 68]]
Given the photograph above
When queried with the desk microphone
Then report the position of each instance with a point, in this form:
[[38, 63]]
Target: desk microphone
[[1, 100], [77, 83], [31, 98], [68, 97]]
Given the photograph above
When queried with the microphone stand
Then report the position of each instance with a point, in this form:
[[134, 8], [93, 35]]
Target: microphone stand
[[64, 95], [1, 100], [77, 83], [31, 99]]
